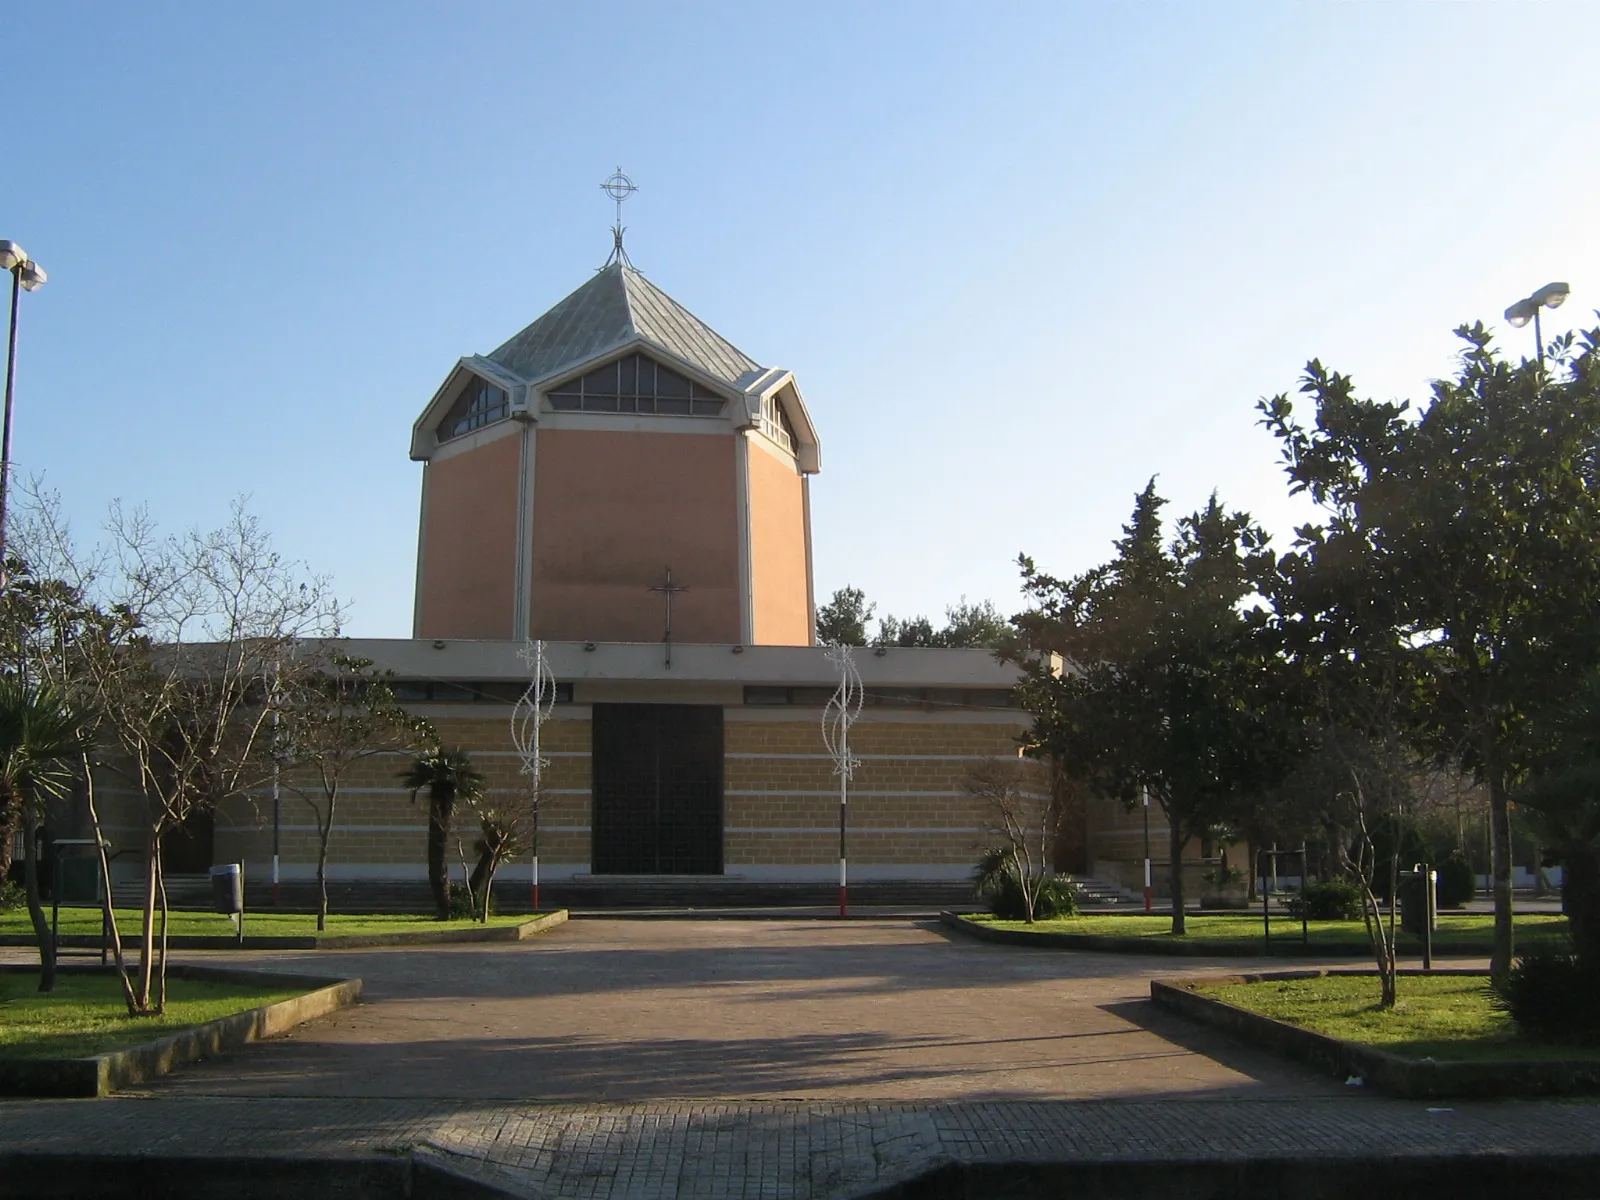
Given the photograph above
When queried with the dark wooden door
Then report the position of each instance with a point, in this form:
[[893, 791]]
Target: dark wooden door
[[657, 789]]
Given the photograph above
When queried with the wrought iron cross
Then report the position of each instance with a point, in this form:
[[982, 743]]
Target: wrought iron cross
[[668, 590]]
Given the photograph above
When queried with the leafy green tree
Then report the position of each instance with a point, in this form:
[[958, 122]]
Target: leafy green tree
[[338, 714], [1462, 542], [908, 633], [973, 626], [42, 740], [842, 621], [1163, 680], [1561, 799], [448, 776]]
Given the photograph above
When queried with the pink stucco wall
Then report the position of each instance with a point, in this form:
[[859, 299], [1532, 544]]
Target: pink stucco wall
[[611, 511], [469, 543], [778, 552]]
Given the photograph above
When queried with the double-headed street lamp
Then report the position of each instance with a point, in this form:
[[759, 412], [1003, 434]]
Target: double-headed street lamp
[[26, 276], [1551, 295]]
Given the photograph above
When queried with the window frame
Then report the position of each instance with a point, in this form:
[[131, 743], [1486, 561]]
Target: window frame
[[628, 397]]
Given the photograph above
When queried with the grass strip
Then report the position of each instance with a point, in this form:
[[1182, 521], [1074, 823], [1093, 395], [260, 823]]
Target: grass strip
[[85, 1014], [86, 922], [1461, 932], [1448, 1018]]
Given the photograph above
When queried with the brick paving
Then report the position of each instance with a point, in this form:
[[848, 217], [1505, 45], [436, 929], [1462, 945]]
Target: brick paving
[[724, 1060], [618, 1011], [796, 1150]]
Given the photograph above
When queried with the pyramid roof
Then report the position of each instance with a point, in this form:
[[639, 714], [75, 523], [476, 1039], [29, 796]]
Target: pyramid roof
[[617, 306]]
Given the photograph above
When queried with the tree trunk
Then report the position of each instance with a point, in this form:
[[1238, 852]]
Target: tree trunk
[[438, 838], [147, 922], [1580, 900], [108, 905], [161, 972], [322, 877], [8, 833], [1175, 863], [488, 888], [1382, 946], [41, 927], [1500, 825], [324, 836]]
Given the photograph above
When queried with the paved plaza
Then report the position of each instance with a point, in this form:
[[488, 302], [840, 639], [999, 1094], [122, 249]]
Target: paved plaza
[[625, 1011], [763, 1058]]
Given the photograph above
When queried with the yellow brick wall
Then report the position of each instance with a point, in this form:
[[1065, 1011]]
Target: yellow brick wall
[[907, 804]]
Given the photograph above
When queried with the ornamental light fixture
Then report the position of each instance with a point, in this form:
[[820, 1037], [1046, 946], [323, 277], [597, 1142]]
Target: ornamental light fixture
[[1551, 295]]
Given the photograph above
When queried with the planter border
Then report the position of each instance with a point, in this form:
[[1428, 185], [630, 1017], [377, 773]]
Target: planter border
[[1391, 1074], [1198, 948], [332, 941], [100, 1074]]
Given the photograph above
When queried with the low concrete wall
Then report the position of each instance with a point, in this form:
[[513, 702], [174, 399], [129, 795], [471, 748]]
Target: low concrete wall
[[104, 1073], [1391, 1074]]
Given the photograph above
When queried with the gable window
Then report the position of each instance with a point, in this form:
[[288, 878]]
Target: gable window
[[479, 405], [776, 425], [636, 384]]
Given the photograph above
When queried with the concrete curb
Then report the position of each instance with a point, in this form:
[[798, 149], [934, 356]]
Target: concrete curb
[[1109, 944], [104, 1073], [1405, 1078], [334, 941]]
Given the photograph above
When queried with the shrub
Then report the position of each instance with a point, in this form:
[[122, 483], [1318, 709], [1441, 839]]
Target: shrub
[[1330, 900], [461, 907], [12, 896], [1552, 995], [1457, 881], [996, 884]]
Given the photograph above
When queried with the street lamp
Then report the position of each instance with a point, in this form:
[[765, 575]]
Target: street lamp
[[26, 276], [1551, 295]]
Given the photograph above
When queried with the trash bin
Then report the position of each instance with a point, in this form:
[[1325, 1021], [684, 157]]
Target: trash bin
[[227, 888], [1414, 907]]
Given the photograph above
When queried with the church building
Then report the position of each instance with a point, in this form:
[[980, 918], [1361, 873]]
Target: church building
[[621, 483]]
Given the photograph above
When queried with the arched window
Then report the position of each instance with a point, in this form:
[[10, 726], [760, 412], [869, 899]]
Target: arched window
[[636, 384], [480, 404]]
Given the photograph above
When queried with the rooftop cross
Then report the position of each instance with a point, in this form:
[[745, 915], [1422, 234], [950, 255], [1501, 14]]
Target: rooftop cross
[[619, 187], [668, 589]]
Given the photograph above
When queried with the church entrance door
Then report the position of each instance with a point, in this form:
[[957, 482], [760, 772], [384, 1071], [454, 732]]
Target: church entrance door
[[657, 789]]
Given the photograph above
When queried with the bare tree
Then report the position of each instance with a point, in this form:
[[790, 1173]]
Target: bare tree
[[177, 640], [335, 712], [1024, 810]]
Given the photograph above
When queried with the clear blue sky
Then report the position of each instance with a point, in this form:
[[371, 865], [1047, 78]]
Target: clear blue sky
[[1021, 256]]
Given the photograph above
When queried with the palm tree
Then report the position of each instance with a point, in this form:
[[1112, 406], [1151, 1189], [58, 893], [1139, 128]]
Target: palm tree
[[41, 736], [449, 776]]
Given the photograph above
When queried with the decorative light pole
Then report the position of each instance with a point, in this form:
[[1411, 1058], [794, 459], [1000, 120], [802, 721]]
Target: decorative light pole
[[840, 714], [26, 276], [1551, 295], [528, 716]]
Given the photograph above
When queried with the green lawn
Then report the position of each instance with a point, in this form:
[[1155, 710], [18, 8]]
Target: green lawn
[[256, 924], [1467, 932], [1443, 1017], [85, 1014]]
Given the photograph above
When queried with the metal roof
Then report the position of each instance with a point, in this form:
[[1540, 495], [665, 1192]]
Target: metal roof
[[618, 306]]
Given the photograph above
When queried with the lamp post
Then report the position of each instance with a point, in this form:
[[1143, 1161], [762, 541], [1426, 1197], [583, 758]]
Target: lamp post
[[1551, 295], [1147, 887], [26, 276]]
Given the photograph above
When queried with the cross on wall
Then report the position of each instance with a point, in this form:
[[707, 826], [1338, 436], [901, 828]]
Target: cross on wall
[[668, 590]]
